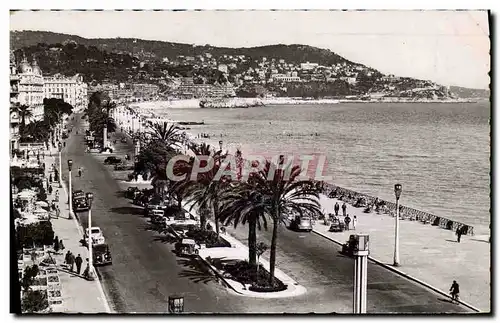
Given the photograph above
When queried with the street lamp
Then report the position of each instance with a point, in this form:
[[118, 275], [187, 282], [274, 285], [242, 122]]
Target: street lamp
[[398, 188], [70, 195], [220, 145], [90, 197], [361, 252], [60, 165], [175, 304]]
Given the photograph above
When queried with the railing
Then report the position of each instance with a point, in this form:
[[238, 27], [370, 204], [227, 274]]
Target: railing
[[404, 211]]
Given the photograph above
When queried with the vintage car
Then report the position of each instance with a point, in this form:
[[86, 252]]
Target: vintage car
[[96, 236], [101, 255], [301, 223], [186, 247], [337, 225], [80, 203], [112, 160], [123, 140], [121, 166], [132, 192], [349, 246]]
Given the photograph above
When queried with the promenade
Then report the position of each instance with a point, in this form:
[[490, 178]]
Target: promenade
[[428, 253], [78, 294]]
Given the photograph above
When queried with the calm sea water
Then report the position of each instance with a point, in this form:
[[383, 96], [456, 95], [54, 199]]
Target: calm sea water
[[440, 153]]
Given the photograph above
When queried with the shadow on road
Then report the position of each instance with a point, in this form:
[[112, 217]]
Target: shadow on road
[[447, 300], [451, 240], [480, 240], [196, 272], [165, 238], [127, 210]]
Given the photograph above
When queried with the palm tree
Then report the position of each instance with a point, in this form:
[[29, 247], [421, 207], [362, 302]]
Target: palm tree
[[204, 191], [243, 204], [282, 195], [168, 133], [24, 113], [107, 108]]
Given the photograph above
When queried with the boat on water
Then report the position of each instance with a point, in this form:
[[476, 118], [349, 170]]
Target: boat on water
[[227, 103]]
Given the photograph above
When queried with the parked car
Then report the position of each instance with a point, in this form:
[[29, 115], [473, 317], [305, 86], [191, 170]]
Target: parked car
[[301, 223], [112, 160], [96, 236], [187, 247], [121, 166], [123, 140], [80, 202], [101, 255], [107, 149], [132, 192]]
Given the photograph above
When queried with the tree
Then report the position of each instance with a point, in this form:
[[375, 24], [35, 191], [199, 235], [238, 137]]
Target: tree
[[34, 301], [205, 189], [282, 194], [242, 204], [168, 133], [24, 113]]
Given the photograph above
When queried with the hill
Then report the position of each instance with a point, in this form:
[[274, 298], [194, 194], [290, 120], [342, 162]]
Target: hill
[[157, 50], [466, 93]]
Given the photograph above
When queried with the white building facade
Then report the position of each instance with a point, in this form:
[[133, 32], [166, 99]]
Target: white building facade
[[70, 89], [31, 88]]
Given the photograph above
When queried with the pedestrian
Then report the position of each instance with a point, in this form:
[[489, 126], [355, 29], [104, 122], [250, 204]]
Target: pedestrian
[[58, 211], [79, 172], [50, 178], [71, 262], [66, 258], [336, 208], [354, 222], [86, 272], [49, 189], [61, 244], [454, 291], [459, 234], [344, 209], [347, 220], [78, 262]]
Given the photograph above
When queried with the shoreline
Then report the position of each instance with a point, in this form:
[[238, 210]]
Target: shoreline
[[237, 101], [445, 223]]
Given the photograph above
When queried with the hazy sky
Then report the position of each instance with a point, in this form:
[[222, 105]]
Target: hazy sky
[[449, 47]]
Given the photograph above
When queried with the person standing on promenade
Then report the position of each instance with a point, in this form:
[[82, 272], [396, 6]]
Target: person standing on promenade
[[347, 220], [336, 208], [354, 222], [459, 234], [71, 261], [66, 258], [344, 209], [78, 262], [454, 291]]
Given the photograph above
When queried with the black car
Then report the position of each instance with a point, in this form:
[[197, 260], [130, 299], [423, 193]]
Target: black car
[[101, 255], [124, 140], [112, 160], [80, 204]]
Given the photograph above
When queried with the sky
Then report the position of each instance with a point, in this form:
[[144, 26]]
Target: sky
[[448, 47]]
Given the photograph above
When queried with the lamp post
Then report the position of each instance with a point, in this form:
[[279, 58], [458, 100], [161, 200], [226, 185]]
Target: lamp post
[[60, 165], [175, 304], [361, 252], [70, 195], [398, 188], [90, 197]]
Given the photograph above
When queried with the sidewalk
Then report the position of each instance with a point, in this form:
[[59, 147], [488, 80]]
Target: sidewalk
[[79, 295], [428, 253]]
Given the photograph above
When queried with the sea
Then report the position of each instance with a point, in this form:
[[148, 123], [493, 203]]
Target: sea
[[439, 152]]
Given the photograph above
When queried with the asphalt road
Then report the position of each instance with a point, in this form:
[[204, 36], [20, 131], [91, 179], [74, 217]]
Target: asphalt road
[[145, 271]]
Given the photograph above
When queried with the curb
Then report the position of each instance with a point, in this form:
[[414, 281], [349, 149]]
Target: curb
[[405, 275], [78, 226]]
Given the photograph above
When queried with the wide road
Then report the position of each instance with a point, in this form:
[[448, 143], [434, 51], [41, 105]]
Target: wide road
[[145, 271]]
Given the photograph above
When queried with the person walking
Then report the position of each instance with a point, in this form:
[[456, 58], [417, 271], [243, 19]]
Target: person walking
[[354, 222], [71, 262], [459, 234], [454, 291], [61, 244], [347, 220], [78, 262], [58, 211], [66, 257], [344, 209], [336, 208], [79, 172]]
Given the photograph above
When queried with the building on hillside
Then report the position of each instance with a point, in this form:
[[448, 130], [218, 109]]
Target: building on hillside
[[144, 90], [308, 66], [284, 78], [31, 88], [223, 68], [187, 89], [71, 90], [14, 100]]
